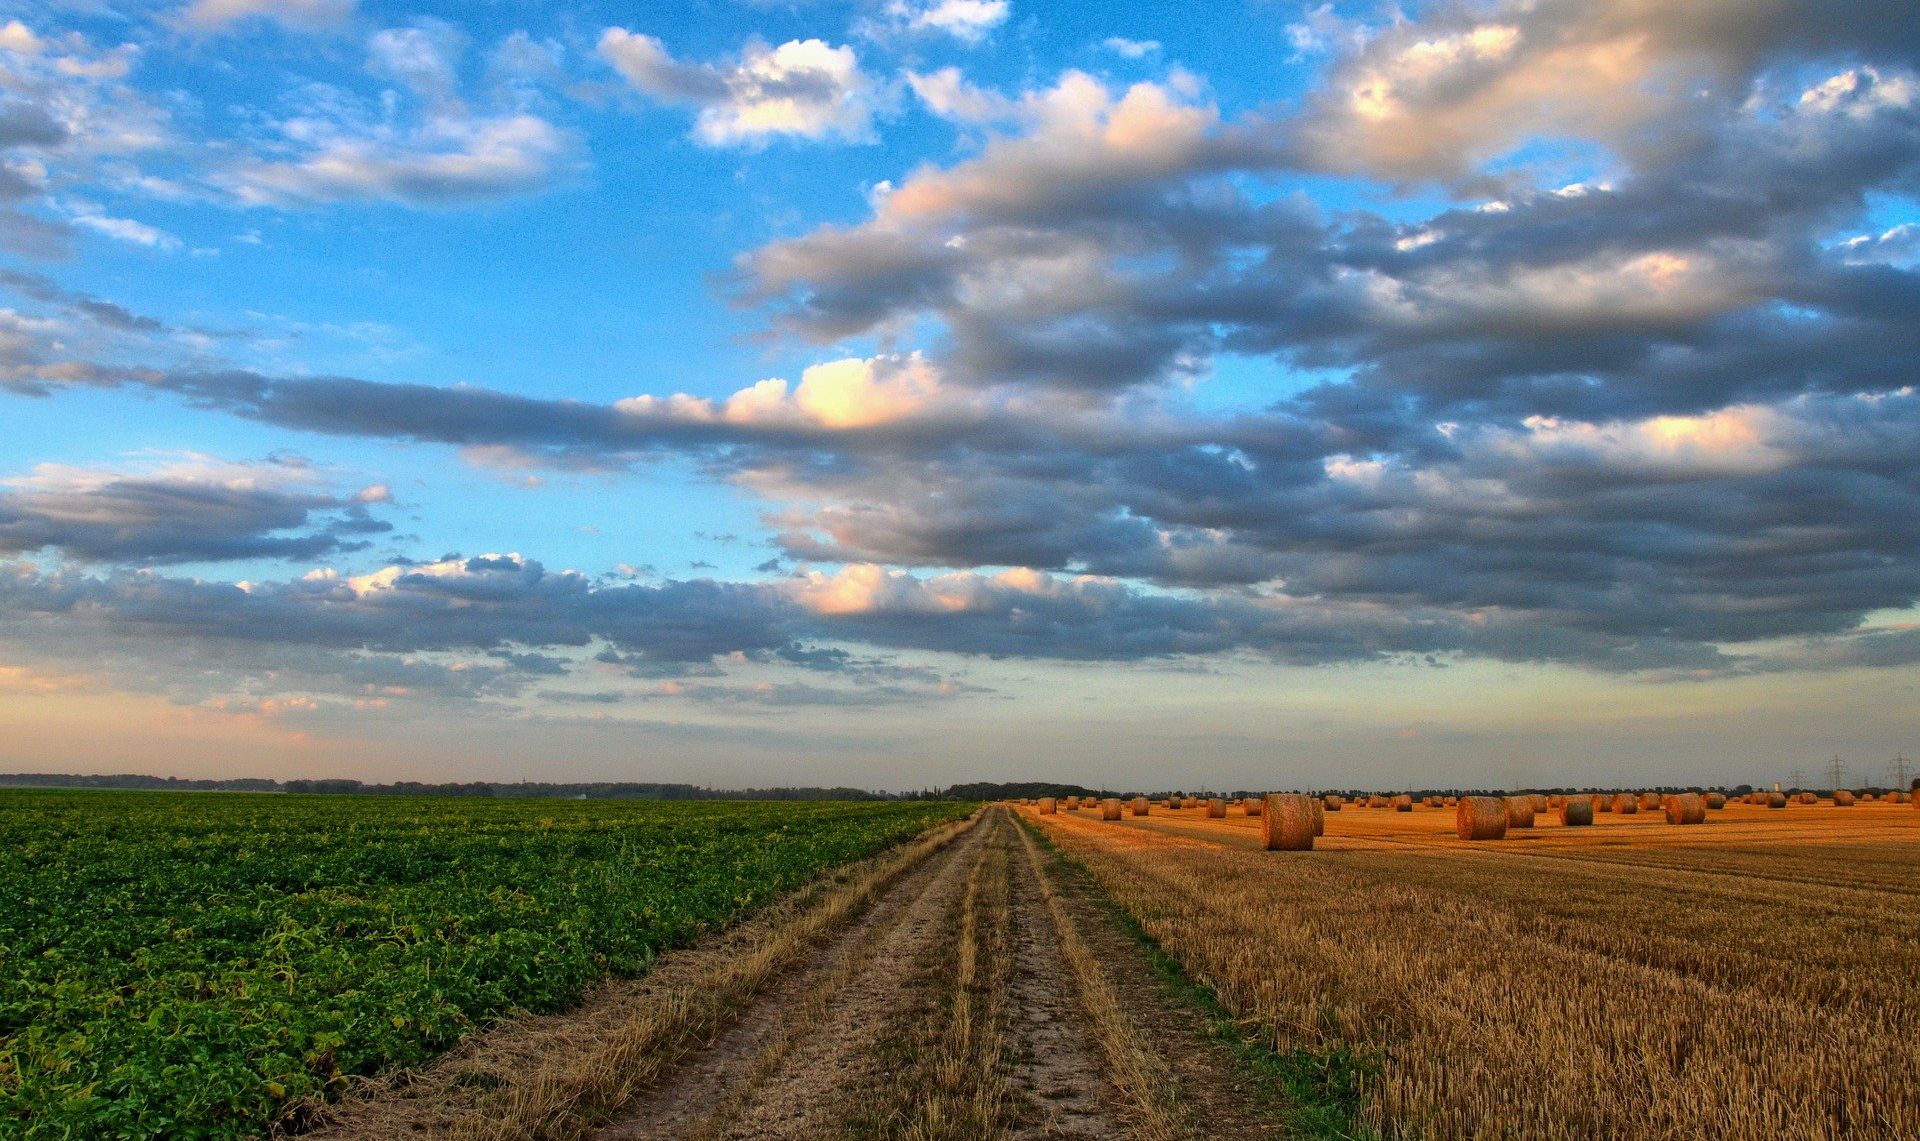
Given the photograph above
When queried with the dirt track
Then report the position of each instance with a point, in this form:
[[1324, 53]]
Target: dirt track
[[950, 1009]]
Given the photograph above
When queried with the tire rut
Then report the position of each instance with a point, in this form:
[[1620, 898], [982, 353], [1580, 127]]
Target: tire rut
[[788, 1067]]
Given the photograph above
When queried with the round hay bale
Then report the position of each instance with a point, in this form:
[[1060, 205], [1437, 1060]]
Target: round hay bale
[[1480, 818], [1141, 806], [1519, 812], [1286, 822], [1576, 811], [1807, 798], [1216, 809], [1319, 816], [1649, 801], [1716, 800], [1686, 808], [1449, 801], [1602, 803], [1555, 802], [1625, 804], [1073, 802], [1403, 803], [1255, 806], [1376, 801], [1539, 802], [1842, 798], [1175, 802], [1110, 809], [1776, 800], [1332, 803], [1047, 806]]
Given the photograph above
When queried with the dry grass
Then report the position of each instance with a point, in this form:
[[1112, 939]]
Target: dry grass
[[953, 1083], [1131, 1063], [1755, 977]]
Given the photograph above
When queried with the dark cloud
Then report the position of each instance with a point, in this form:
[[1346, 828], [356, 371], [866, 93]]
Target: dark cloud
[[105, 313], [179, 517]]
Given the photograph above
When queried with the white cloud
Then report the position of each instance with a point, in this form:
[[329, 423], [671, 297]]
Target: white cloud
[[305, 15], [803, 88], [948, 94], [442, 160], [850, 393], [342, 149], [1131, 49], [968, 21], [122, 229]]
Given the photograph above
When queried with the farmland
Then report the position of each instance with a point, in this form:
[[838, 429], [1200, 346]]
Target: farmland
[[1754, 977], [202, 965], [224, 965]]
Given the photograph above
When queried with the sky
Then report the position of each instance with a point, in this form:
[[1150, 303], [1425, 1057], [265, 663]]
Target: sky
[[901, 392]]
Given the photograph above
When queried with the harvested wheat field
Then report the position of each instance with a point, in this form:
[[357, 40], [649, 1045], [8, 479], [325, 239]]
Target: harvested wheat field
[[1755, 976]]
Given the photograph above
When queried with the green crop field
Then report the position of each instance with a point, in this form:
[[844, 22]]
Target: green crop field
[[190, 965]]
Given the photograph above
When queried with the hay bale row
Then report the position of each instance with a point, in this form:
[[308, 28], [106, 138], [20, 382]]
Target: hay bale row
[[1287, 822], [1481, 818]]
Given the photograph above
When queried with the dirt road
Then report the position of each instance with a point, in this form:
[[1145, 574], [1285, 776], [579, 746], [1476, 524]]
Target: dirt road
[[956, 1006], [966, 986]]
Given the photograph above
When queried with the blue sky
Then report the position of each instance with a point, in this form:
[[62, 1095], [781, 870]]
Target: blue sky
[[887, 391]]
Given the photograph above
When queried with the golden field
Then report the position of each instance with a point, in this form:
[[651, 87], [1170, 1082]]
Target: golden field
[[1753, 977]]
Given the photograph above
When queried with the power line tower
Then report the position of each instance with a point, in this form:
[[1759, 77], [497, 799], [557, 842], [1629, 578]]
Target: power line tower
[[1836, 772], [1796, 779], [1902, 771]]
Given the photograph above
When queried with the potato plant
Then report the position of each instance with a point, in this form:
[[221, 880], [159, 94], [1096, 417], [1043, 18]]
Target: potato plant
[[198, 965]]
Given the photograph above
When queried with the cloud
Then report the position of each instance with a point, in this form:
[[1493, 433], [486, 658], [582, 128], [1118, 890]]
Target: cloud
[[127, 230], [969, 21], [297, 15], [442, 161], [804, 89], [1130, 49], [192, 511], [67, 108], [338, 148], [948, 94], [1435, 97]]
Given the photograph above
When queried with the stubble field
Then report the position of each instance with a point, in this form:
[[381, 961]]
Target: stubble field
[[1754, 977]]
